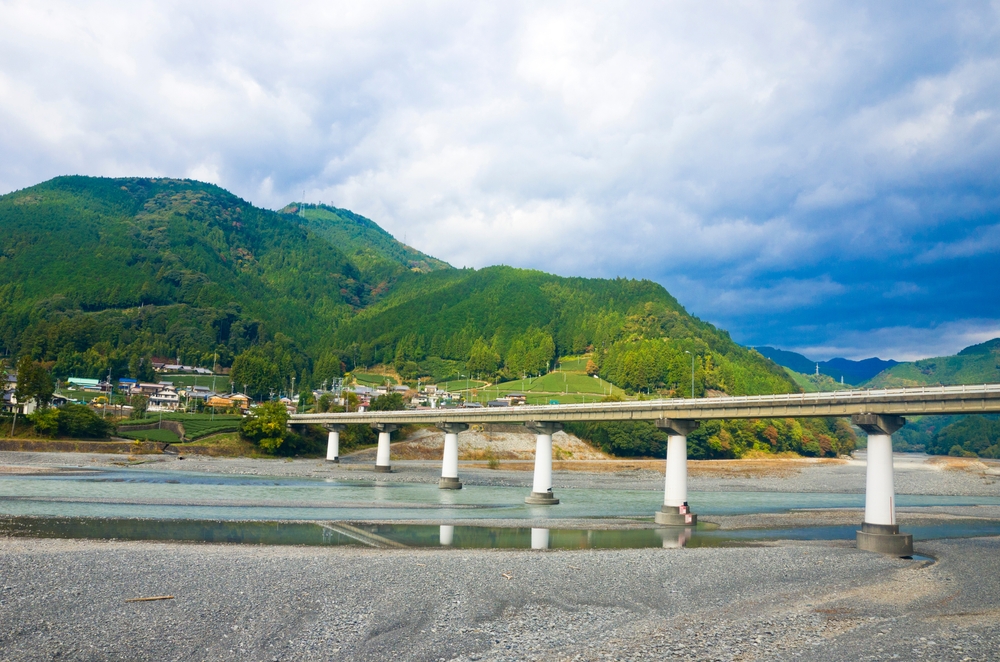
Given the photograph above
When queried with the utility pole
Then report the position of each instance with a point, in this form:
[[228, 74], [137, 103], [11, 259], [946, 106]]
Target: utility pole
[[692, 372]]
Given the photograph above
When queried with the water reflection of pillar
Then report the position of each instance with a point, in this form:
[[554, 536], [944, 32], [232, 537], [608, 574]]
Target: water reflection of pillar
[[333, 442], [675, 538], [382, 454], [447, 534], [449, 462], [380, 492], [879, 531], [541, 487], [675, 511], [539, 539]]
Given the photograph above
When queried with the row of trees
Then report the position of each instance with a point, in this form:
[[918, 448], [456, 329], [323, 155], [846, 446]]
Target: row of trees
[[528, 354], [818, 437]]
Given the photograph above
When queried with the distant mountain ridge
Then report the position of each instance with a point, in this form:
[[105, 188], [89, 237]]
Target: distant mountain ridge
[[976, 364], [853, 372]]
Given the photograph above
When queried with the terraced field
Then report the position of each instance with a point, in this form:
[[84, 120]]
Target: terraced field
[[195, 425]]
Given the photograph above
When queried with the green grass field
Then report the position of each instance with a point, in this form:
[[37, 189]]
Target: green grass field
[[460, 385], [573, 363], [561, 382], [166, 436], [181, 380], [195, 425], [368, 379]]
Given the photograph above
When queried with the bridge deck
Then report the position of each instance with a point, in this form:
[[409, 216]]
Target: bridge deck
[[971, 399]]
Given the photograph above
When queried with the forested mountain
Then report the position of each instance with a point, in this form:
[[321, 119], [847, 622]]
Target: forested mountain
[[977, 364], [95, 273], [373, 250]]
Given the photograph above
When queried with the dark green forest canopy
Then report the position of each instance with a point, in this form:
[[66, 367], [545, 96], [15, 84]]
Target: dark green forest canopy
[[161, 267], [96, 272]]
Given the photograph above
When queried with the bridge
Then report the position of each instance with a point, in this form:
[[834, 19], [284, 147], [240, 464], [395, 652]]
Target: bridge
[[879, 412]]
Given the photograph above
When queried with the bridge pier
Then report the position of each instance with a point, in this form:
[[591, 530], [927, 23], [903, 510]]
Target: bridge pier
[[675, 511], [879, 531], [333, 441], [382, 454], [541, 487], [539, 539], [449, 461], [447, 535]]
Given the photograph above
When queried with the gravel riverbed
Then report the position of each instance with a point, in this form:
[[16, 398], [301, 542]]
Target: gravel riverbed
[[66, 600]]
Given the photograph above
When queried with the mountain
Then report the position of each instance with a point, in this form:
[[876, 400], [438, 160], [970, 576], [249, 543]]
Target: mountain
[[853, 372], [97, 274], [371, 249], [977, 364], [93, 270]]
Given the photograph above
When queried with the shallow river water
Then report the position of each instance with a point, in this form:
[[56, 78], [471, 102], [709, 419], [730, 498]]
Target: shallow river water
[[132, 503]]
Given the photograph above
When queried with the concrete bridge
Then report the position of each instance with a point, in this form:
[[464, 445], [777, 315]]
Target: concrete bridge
[[878, 412]]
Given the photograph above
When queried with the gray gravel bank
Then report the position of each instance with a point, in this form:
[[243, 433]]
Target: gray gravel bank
[[65, 599]]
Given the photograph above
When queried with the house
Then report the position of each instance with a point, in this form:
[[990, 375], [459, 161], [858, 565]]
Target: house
[[517, 399], [164, 400], [85, 384], [402, 389], [198, 392], [147, 388], [219, 401]]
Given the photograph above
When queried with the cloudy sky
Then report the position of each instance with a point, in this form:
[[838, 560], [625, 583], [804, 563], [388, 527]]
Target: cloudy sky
[[816, 176]]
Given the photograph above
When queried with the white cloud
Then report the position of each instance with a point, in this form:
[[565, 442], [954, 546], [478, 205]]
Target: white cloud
[[743, 150]]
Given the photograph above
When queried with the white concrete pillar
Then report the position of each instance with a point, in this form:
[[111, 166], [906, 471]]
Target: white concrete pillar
[[382, 454], [447, 535], [541, 487], [675, 511], [879, 489], [675, 492], [539, 539], [879, 531], [449, 461], [333, 443]]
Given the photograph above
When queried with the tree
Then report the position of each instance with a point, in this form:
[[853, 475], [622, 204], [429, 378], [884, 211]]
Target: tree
[[257, 371], [80, 421], [139, 404], [483, 359], [33, 383], [327, 367], [266, 426], [388, 402]]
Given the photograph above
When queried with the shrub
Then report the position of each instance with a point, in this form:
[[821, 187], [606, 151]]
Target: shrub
[[266, 426], [77, 421]]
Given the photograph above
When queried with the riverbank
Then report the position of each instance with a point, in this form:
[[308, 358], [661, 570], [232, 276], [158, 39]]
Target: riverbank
[[820, 601]]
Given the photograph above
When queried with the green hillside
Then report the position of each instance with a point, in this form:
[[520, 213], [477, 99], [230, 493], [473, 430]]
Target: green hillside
[[93, 271], [511, 323], [978, 364], [816, 383], [100, 275], [373, 250]]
